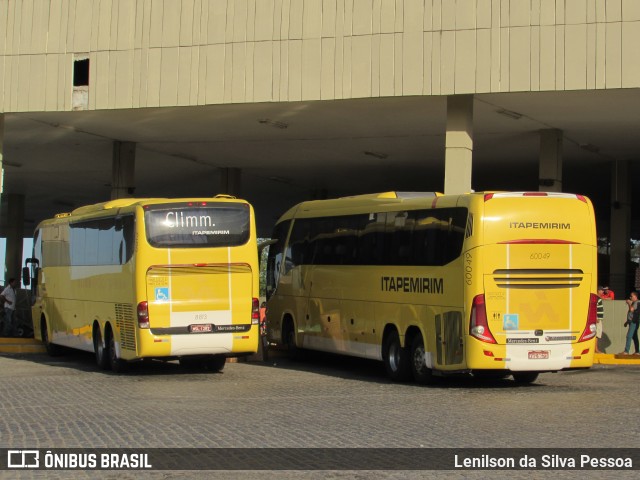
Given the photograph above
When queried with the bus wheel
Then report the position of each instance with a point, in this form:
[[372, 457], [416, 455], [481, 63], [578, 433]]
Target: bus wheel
[[421, 373], [215, 363], [117, 364], [525, 377], [52, 350], [289, 337], [395, 357], [102, 355]]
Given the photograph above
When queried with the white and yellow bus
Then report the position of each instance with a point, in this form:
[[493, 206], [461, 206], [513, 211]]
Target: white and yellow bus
[[149, 278], [487, 284]]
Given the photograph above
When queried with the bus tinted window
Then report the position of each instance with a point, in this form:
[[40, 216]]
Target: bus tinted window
[[414, 237], [106, 241], [192, 225]]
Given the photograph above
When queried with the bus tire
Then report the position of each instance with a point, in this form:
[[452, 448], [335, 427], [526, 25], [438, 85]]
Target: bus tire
[[52, 349], [100, 349], [395, 357], [524, 378], [117, 364], [289, 340], [215, 363], [421, 373]]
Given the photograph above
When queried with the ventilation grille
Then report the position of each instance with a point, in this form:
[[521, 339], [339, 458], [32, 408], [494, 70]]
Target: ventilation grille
[[538, 278], [125, 324]]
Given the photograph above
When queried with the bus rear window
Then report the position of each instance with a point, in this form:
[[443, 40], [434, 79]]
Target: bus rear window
[[197, 225]]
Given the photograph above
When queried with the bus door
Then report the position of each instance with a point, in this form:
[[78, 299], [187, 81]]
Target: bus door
[[537, 277]]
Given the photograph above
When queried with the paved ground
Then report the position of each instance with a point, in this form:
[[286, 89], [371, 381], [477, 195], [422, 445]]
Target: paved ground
[[322, 401]]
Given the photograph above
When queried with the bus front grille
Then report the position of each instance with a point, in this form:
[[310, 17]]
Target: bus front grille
[[125, 324], [538, 278]]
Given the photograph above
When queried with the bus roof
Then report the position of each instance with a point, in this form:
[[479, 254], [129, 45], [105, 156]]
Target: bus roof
[[128, 202], [411, 200]]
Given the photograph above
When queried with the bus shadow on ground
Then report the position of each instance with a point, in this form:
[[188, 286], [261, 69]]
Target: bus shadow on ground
[[354, 368], [85, 362]]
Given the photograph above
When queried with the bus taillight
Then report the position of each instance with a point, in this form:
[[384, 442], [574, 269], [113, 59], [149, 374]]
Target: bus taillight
[[592, 319], [143, 315], [478, 326], [255, 312]]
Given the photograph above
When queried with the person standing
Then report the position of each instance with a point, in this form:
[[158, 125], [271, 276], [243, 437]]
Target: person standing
[[8, 296], [599, 318], [607, 294], [632, 322]]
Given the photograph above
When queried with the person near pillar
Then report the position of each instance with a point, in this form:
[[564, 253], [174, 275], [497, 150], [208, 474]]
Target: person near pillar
[[633, 318], [607, 294], [8, 297]]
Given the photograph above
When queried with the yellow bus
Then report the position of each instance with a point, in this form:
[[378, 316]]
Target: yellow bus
[[149, 278], [488, 284]]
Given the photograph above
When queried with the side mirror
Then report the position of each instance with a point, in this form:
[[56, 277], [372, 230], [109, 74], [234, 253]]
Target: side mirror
[[26, 276]]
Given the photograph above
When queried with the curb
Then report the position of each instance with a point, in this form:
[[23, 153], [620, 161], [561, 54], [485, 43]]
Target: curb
[[21, 345], [611, 359]]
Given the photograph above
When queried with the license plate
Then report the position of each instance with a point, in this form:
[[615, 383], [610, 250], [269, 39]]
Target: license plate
[[202, 328], [538, 354]]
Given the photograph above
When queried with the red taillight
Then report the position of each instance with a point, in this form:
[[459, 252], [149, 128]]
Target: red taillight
[[534, 194], [478, 326], [255, 312], [488, 196], [581, 198], [143, 315], [592, 319]]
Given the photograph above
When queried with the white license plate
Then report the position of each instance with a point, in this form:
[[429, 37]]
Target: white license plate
[[538, 354], [201, 328]]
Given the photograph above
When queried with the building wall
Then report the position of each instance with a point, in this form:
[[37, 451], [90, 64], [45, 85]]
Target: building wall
[[149, 53]]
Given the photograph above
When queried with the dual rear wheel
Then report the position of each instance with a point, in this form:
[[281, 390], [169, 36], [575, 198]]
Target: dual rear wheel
[[106, 351], [402, 363]]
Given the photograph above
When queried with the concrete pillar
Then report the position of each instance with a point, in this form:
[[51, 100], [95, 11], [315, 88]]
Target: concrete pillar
[[14, 230], [620, 228], [458, 144], [550, 172], [123, 170], [230, 181], [1, 152]]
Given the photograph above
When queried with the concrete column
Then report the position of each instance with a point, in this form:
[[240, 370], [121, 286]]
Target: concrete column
[[123, 170], [1, 152], [550, 172], [620, 228], [14, 231], [230, 181], [458, 144]]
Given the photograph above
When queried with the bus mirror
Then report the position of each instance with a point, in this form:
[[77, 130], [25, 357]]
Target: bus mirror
[[264, 244], [26, 277]]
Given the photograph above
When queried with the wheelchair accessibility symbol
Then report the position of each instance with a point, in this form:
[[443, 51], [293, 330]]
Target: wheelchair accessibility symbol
[[162, 294], [510, 321]]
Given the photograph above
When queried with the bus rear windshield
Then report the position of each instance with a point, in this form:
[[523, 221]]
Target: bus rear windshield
[[197, 224]]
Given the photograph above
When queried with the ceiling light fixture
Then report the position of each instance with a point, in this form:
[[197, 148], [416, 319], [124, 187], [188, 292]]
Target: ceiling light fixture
[[589, 147], [273, 123], [381, 156], [11, 164], [509, 113]]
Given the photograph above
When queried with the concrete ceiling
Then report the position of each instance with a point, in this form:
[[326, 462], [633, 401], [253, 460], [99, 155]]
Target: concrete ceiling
[[289, 152]]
